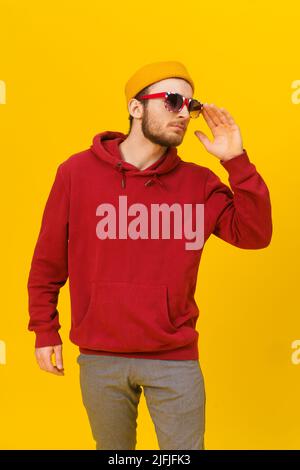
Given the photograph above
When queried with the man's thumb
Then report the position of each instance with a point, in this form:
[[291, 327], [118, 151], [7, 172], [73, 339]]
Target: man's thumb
[[203, 138]]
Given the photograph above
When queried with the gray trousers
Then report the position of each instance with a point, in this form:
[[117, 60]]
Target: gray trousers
[[175, 396]]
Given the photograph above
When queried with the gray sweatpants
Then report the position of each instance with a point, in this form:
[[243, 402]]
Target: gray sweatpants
[[174, 391]]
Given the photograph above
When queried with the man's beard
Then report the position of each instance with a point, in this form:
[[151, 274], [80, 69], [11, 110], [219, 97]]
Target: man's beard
[[152, 133]]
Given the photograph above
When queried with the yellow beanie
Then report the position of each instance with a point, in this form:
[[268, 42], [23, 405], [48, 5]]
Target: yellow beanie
[[154, 72]]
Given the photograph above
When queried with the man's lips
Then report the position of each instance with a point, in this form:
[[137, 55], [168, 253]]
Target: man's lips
[[178, 126]]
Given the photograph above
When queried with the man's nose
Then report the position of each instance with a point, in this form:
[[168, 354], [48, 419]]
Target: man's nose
[[185, 111]]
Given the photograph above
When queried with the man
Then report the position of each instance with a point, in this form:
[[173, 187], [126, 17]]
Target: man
[[119, 222]]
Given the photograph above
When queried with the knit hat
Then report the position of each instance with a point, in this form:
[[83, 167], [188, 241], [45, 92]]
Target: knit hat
[[154, 72]]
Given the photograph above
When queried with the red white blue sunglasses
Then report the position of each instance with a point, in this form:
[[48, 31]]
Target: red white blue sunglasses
[[174, 102]]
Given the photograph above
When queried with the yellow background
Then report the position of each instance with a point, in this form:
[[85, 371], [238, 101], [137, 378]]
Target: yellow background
[[65, 64]]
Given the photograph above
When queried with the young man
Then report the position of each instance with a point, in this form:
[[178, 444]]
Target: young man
[[126, 220]]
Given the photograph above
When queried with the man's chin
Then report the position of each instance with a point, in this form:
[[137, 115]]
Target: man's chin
[[167, 139], [175, 141]]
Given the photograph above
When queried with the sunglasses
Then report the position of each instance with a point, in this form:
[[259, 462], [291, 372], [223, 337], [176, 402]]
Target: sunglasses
[[174, 102]]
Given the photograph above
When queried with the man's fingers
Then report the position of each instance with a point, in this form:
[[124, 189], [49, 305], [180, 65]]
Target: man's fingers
[[228, 116], [48, 364], [43, 356], [40, 356], [219, 115], [58, 357], [216, 115], [40, 362], [208, 118]]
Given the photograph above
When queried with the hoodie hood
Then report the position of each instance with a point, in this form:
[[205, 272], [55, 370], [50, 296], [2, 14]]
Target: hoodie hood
[[106, 147]]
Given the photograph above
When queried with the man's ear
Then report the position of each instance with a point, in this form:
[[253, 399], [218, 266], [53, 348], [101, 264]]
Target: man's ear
[[135, 108]]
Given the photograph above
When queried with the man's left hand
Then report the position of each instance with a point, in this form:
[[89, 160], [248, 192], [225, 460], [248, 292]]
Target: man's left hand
[[227, 141]]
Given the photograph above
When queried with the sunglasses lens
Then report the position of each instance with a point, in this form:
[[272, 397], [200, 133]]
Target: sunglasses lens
[[195, 108], [174, 102]]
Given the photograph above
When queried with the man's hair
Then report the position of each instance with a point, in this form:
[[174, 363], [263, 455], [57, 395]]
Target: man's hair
[[144, 91]]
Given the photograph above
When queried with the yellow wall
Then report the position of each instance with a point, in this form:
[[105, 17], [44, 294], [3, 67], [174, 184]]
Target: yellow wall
[[63, 69]]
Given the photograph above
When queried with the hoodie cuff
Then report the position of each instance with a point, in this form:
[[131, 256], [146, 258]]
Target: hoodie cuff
[[47, 338], [238, 166], [242, 157]]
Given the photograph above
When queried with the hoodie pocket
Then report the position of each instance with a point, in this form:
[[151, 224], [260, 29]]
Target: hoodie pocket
[[128, 317]]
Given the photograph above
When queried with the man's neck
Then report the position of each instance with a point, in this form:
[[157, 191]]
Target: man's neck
[[140, 152]]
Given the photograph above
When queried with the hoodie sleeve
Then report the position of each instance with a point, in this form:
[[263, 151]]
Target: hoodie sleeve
[[242, 217], [49, 266]]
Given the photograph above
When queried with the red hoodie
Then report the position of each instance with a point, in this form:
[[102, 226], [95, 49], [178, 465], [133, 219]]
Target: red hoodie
[[133, 295]]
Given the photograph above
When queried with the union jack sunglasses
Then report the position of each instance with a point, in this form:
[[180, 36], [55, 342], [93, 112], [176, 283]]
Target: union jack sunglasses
[[174, 102]]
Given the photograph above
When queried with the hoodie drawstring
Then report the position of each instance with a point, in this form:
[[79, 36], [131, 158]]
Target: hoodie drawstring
[[147, 183], [120, 168], [153, 179]]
